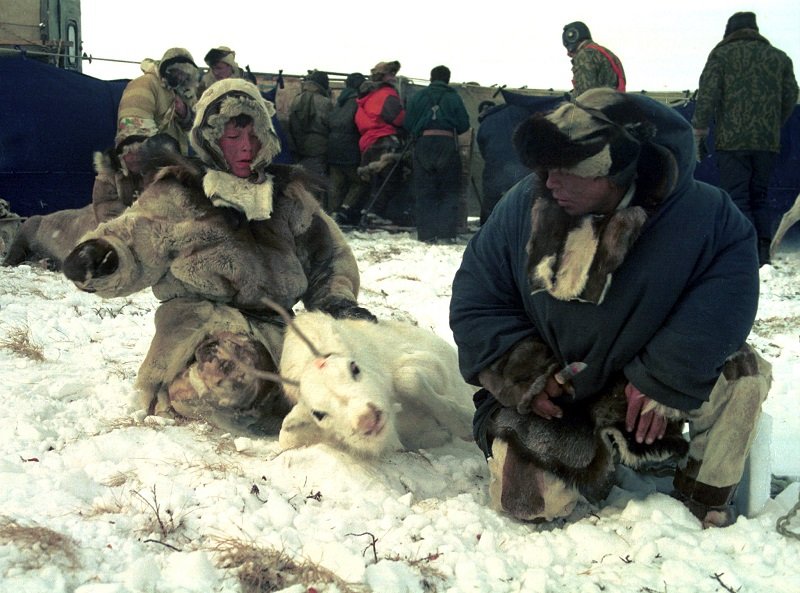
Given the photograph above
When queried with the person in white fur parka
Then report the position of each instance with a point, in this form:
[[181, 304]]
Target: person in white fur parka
[[213, 241]]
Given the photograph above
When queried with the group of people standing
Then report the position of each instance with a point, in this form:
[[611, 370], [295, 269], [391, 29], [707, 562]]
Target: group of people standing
[[361, 145], [361, 140]]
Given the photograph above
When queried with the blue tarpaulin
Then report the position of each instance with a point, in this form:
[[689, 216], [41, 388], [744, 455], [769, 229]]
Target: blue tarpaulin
[[51, 122]]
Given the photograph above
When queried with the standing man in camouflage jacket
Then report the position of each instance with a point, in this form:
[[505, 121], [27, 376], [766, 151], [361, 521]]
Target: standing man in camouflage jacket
[[593, 65], [749, 90]]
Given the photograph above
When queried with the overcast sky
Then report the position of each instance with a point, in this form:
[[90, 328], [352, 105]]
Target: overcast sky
[[663, 45]]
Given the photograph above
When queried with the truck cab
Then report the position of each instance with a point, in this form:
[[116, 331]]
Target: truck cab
[[45, 30]]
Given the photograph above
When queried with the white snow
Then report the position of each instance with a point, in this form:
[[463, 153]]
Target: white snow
[[95, 497]]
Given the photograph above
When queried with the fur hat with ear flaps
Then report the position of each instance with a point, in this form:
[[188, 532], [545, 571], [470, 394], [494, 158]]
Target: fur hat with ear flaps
[[221, 54], [381, 69], [222, 101], [598, 135], [603, 133]]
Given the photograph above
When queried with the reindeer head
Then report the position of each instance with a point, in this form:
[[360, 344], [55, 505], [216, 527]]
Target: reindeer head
[[343, 394]]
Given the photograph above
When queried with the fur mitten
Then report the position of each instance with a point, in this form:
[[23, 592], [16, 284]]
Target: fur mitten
[[519, 374]]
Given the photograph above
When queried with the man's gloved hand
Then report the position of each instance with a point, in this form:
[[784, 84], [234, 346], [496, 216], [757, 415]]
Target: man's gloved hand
[[92, 259], [344, 309], [642, 416], [701, 142]]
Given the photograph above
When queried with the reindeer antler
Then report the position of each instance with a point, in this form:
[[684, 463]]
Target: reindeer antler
[[251, 370], [290, 323]]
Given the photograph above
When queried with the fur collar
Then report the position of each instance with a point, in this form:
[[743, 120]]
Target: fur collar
[[226, 190], [743, 35], [575, 257]]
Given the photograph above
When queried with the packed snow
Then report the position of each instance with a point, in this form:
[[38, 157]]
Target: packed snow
[[97, 497]]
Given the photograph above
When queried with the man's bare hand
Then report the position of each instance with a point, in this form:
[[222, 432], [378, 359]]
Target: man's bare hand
[[540, 404], [641, 416]]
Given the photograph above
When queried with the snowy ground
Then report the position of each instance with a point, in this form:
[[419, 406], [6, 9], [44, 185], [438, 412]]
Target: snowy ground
[[97, 498]]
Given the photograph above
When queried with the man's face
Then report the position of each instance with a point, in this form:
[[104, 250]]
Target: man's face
[[583, 195], [222, 70]]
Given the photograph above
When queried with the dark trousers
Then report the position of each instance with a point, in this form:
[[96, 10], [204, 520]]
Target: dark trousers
[[745, 175], [436, 177], [347, 188], [387, 192]]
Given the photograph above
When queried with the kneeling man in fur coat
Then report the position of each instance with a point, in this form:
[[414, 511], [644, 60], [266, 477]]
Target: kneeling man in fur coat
[[213, 239], [604, 304]]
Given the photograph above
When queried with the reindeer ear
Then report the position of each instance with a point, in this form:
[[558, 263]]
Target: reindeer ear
[[299, 429]]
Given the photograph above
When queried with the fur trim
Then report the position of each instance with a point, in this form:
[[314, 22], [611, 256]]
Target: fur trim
[[254, 199], [519, 374], [574, 258], [387, 159], [103, 163], [598, 135], [226, 99]]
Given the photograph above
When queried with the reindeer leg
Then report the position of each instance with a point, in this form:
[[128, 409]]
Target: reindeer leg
[[790, 217]]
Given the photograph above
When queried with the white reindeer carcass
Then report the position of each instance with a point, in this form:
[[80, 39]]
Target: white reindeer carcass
[[371, 387]]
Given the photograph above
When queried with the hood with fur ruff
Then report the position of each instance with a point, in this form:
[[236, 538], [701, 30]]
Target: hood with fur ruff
[[220, 102]]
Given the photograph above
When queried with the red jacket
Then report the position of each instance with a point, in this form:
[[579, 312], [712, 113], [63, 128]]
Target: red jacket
[[380, 113]]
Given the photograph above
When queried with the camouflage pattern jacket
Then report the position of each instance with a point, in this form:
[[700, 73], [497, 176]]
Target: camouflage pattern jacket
[[592, 69], [748, 88]]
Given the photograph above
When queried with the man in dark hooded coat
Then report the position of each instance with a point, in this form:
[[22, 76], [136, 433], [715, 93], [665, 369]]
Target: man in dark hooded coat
[[606, 301]]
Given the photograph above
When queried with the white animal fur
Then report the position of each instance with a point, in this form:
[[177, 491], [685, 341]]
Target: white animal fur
[[790, 217], [375, 388]]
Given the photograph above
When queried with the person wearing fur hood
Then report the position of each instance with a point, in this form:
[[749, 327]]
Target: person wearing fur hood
[[604, 303], [163, 97], [221, 62], [219, 241]]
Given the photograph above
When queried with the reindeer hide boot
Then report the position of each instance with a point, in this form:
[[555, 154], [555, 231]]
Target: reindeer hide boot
[[200, 364], [220, 384], [523, 490], [722, 431]]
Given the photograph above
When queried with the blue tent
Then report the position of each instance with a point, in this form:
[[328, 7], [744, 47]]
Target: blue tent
[[51, 122]]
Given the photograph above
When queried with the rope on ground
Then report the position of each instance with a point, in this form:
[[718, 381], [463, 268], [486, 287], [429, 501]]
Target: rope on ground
[[782, 524]]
